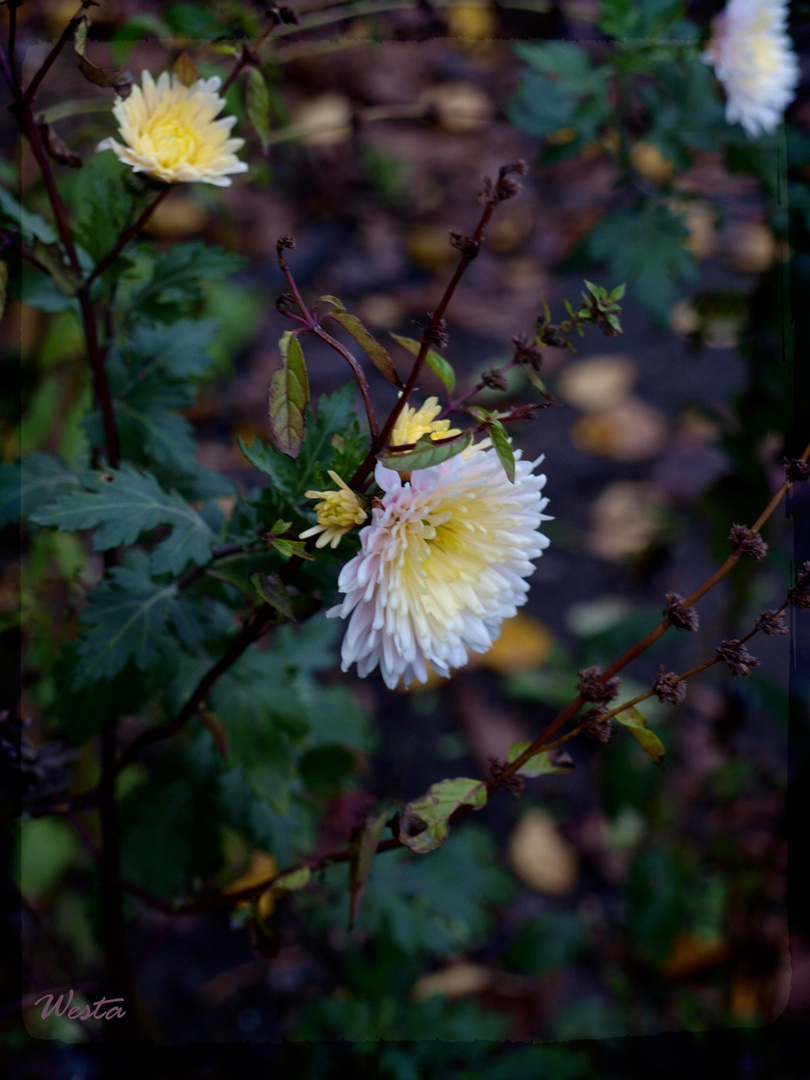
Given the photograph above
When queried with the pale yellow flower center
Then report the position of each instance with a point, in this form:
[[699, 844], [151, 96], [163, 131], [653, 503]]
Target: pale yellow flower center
[[412, 424], [170, 136]]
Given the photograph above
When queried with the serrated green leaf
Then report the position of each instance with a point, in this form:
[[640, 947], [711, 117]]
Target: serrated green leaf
[[130, 617], [539, 764], [649, 741], [30, 225], [258, 106], [440, 367], [503, 448], [426, 453], [177, 274], [370, 346], [33, 482], [120, 504], [424, 823], [179, 351], [289, 396]]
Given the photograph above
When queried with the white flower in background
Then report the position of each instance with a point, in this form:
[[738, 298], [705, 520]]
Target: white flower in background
[[338, 512], [753, 57], [171, 134], [441, 565], [412, 424]]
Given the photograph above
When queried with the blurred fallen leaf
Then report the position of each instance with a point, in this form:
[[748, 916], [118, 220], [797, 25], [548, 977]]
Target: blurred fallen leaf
[[541, 856], [648, 160], [692, 955], [684, 319], [626, 517], [324, 120], [509, 231], [703, 237], [474, 21], [632, 431], [178, 216], [429, 248], [600, 382], [749, 246], [381, 311], [458, 980], [525, 644], [460, 107]]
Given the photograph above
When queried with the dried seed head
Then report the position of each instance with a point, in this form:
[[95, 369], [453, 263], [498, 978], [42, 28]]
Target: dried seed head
[[799, 594], [284, 243], [595, 726], [771, 623], [513, 784], [495, 380], [465, 244], [437, 335], [594, 688], [744, 542], [795, 469], [668, 688], [739, 659], [682, 618]]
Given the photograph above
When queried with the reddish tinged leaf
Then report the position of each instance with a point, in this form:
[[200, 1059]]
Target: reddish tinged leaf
[[363, 847], [289, 395], [370, 346], [424, 823]]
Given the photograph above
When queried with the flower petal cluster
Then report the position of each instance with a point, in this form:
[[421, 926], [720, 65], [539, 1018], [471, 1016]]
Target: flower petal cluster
[[412, 424], [753, 57], [171, 133], [338, 512], [442, 564]]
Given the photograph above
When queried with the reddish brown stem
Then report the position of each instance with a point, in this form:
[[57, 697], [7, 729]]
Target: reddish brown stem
[[128, 234], [47, 63], [327, 339]]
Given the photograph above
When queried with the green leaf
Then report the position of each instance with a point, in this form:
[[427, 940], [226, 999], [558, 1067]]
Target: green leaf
[[644, 247], [440, 367], [33, 482], [503, 448], [185, 69], [637, 726], [539, 764], [119, 79], [258, 106], [179, 351], [424, 823], [293, 880], [370, 346], [122, 504], [271, 589], [131, 617], [289, 396], [426, 453], [177, 276], [363, 847], [537, 382], [560, 90], [31, 225]]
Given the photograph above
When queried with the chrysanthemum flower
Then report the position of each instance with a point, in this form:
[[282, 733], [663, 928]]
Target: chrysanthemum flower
[[441, 565], [412, 424], [752, 55], [171, 133], [338, 511]]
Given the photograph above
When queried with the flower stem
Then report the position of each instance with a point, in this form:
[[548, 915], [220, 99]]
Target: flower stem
[[128, 234]]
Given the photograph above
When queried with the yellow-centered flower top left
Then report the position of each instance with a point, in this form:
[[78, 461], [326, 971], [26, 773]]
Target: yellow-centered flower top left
[[171, 133]]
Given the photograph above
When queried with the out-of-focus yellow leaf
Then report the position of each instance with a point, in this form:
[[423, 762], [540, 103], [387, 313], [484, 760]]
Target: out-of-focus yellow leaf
[[458, 980], [632, 431], [459, 106], [626, 518], [178, 216], [525, 644], [598, 383], [749, 246], [474, 21], [261, 867], [325, 120], [541, 856], [691, 955], [429, 249]]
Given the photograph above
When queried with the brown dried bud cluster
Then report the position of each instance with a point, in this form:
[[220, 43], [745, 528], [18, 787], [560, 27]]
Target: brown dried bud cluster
[[437, 335], [739, 659], [505, 188], [682, 618], [468, 246], [594, 688], [286, 302], [594, 725], [799, 594], [771, 623], [526, 351], [668, 688], [795, 469], [744, 542], [495, 379], [284, 243], [514, 784]]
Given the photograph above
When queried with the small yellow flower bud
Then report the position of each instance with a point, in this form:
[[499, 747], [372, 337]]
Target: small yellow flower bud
[[412, 424], [337, 511]]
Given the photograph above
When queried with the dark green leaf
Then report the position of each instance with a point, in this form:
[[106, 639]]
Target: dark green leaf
[[177, 275], [363, 847], [440, 367], [503, 448], [120, 79], [289, 396], [31, 483], [258, 106], [273, 592], [426, 453], [31, 225]]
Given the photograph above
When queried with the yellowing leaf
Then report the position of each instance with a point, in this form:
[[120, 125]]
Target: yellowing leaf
[[292, 881], [424, 823], [440, 367], [539, 764], [541, 856], [262, 867], [637, 726], [370, 346], [289, 395], [525, 643], [185, 69]]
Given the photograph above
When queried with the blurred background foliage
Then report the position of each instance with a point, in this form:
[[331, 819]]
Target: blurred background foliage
[[610, 901]]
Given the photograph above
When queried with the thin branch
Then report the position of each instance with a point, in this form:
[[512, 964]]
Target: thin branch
[[67, 33], [128, 234], [359, 375]]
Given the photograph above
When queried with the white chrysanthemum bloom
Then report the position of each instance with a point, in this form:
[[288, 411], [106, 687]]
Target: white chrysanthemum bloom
[[441, 565], [412, 424], [171, 134], [338, 512], [753, 57]]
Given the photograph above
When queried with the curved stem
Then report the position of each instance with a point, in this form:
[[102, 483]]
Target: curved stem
[[359, 375], [128, 234]]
